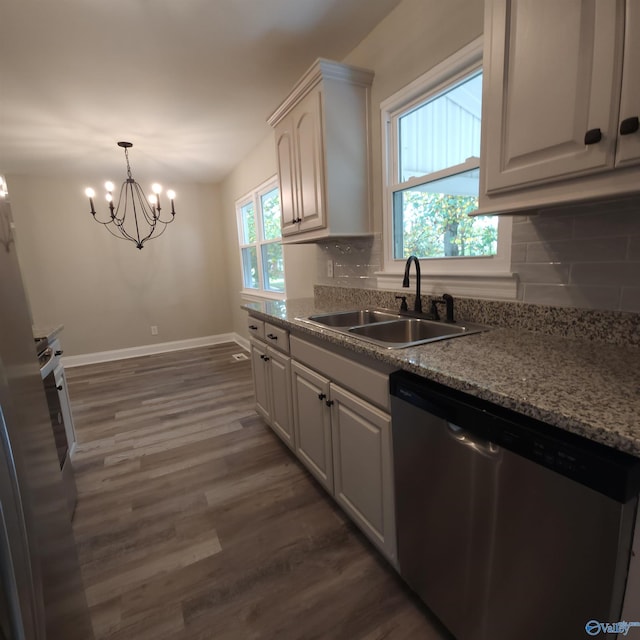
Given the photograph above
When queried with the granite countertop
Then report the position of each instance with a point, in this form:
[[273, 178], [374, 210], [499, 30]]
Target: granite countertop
[[588, 388], [50, 332]]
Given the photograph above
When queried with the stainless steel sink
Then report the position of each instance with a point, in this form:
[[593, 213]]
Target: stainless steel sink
[[410, 331], [392, 330], [353, 318]]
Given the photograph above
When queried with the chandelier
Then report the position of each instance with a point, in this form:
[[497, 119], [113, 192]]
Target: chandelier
[[135, 217]]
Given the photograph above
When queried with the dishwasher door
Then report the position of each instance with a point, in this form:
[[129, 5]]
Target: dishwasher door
[[498, 545], [444, 505]]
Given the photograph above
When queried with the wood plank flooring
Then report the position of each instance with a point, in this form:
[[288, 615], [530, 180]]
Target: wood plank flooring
[[195, 522]]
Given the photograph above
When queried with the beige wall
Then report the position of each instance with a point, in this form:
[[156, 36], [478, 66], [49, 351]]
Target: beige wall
[[300, 260], [106, 292]]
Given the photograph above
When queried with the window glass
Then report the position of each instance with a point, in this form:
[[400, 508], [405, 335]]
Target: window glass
[[248, 216], [438, 148], [443, 131], [270, 205], [431, 221], [273, 267], [250, 267], [259, 237]]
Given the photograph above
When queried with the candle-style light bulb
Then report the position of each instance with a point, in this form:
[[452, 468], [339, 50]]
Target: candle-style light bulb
[[109, 186], [108, 197], [156, 188], [153, 200], [89, 192], [171, 194]]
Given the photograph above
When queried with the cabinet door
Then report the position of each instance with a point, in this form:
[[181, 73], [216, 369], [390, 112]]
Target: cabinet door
[[260, 381], [628, 152], [286, 175], [310, 171], [363, 472], [553, 73], [312, 422], [280, 391]]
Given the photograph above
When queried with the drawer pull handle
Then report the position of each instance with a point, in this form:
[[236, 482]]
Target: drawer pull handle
[[253, 327], [329, 403], [629, 125], [592, 136], [272, 336], [322, 396]]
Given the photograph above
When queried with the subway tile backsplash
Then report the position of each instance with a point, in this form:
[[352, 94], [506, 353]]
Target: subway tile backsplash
[[584, 256]]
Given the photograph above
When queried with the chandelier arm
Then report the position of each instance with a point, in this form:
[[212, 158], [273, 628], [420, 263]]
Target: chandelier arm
[[153, 235], [121, 235]]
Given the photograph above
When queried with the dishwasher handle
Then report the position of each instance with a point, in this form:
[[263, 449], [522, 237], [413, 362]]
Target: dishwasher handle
[[479, 445]]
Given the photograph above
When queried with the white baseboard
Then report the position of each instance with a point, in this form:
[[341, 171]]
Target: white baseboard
[[151, 349], [243, 342]]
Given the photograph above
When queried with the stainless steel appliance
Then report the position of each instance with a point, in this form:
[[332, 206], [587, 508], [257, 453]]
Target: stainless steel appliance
[[507, 527], [41, 591], [54, 382]]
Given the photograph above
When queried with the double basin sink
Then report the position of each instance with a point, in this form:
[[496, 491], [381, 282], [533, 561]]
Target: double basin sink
[[392, 330]]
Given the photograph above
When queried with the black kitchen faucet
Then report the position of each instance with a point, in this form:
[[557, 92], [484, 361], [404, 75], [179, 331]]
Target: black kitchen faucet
[[417, 307]]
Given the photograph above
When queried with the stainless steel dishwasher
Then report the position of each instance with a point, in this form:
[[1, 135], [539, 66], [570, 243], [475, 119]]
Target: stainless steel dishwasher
[[508, 528]]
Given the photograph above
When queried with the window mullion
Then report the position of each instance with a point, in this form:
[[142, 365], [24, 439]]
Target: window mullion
[[257, 207]]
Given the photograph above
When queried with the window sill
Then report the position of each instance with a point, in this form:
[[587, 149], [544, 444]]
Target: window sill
[[257, 294], [499, 286]]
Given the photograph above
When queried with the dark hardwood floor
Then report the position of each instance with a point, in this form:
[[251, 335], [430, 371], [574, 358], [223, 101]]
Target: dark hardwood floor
[[195, 522]]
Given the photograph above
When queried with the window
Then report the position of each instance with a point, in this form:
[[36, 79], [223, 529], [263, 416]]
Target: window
[[432, 148], [259, 238]]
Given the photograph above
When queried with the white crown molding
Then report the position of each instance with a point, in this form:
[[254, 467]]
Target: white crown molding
[[321, 69], [152, 349]]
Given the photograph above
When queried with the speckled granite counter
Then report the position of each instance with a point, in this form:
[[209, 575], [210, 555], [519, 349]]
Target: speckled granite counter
[[51, 332], [588, 388]]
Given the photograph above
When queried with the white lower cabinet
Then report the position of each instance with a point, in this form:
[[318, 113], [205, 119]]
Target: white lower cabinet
[[272, 384], [319, 410], [345, 442], [312, 422]]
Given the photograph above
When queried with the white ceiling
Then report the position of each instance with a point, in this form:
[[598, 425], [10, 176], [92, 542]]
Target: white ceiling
[[189, 82]]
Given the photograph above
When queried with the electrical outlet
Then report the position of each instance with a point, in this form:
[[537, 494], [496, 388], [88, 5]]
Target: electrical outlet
[[154, 330], [329, 268]]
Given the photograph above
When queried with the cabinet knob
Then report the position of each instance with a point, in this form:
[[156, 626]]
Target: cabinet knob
[[297, 220], [267, 358], [629, 125], [59, 352], [329, 403], [592, 136], [263, 357], [59, 387], [322, 396]]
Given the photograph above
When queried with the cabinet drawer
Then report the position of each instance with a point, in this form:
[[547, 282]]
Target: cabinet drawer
[[256, 327], [276, 337], [366, 382]]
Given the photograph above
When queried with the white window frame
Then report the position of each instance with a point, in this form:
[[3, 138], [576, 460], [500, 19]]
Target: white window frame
[[254, 197], [474, 276]]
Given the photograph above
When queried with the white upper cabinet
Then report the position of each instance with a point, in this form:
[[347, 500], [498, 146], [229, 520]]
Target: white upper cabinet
[[628, 151], [322, 145], [558, 84]]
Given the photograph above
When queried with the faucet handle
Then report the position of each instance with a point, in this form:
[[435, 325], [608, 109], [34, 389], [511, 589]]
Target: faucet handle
[[403, 306]]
